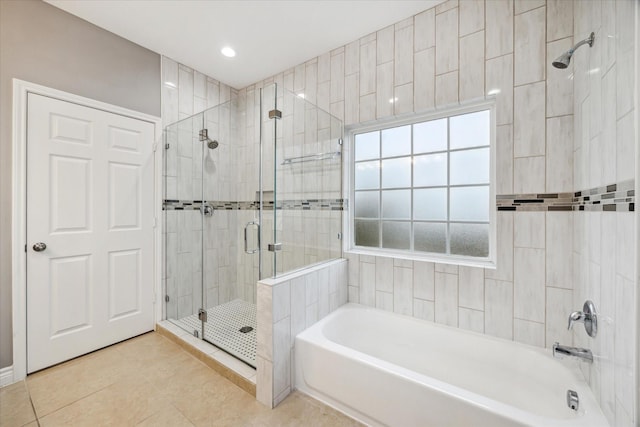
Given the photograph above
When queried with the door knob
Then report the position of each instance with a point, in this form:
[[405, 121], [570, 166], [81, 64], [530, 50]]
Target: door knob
[[39, 247]]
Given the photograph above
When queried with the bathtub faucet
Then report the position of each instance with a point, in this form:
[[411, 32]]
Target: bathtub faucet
[[580, 353]]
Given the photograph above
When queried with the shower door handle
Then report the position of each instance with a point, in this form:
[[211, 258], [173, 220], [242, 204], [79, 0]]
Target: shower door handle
[[246, 239]]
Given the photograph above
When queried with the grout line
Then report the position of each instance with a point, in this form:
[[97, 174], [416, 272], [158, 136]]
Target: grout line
[[33, 407]]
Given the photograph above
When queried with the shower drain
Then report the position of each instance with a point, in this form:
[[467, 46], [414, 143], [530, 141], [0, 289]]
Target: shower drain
[[246, 329]]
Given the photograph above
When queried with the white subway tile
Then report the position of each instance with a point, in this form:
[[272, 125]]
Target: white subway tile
[[559, 306], [529, 174], [425, 30], [446, 89], [352, 58], [498, 313], [559, 159], [403, 290], [499, 27], [559, 82], [472, 66], [384, 301], [529, 230], [384, 274], [504, 159], [368, 68], [471, 17], [403, 99], [471, 287], [471, 320], [559, 19], [559, 247], [367, 284], [424, 79], [529, 120], [446, 299], [351, 99], [625, 148], [384, 45], [281, 295], [403, 56], [337, 78], [529, 52], [447, 41], [384, 90], [525, 5], [528, 332], [423, 280], [424, 309], [528, 286]]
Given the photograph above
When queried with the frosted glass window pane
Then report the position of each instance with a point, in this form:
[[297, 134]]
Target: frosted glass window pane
[[396, 235], [367, 146], [430, 237], [470, 167], [469, 130], [470, 239], [367, 233], [430, 204], [430, 136], [430, 170], [396, 173], [367, 204], [368, 175], [469, 204], [396, 204], [396, 141]]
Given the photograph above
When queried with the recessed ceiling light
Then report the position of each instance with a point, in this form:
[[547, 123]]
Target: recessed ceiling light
[[228, 52]]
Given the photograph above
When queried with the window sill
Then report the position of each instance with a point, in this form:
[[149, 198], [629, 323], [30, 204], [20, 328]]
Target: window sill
[[447, 259]]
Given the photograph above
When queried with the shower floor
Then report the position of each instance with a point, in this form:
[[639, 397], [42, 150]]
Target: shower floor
[[223, 328]]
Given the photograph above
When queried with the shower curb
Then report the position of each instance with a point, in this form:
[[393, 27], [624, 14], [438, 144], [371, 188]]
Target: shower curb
[[240, 381]]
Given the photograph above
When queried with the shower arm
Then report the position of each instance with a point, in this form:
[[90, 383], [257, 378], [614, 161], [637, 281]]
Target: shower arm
[[589, 40]]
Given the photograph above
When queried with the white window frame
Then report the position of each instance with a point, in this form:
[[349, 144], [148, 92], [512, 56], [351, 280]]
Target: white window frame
[[349, 187]]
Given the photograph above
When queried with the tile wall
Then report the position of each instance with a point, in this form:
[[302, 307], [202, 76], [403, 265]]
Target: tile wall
[[452, 53], [287, 306], [604, 147]]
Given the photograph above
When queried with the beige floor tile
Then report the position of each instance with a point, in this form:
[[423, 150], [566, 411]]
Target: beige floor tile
[[15, 407], [151, 381], [168, 417]]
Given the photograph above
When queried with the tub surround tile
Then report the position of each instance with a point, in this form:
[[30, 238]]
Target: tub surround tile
[[471, 320], [559, 303], [424, 309], [471, 17], [471, 288], [472, 66], [425, 30], [446, 299], [446, 41], [499, 27], [403, 290], [424, 79], [529, 284], [403, 59], [559, 19], [529, 52], [529, 120], [384, 274], [499, 83], [447, 89], [498, 309], [525, 5], [559, 82], [559, 159], [529, 230], [528, 332], [559, 250], [423, 280], [384, 301]]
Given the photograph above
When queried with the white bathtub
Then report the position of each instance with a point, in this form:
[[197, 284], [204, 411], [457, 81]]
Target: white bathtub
[[385, 369]]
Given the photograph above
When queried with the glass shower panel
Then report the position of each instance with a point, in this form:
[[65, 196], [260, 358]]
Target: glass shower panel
[[308, 184], [183, 223]]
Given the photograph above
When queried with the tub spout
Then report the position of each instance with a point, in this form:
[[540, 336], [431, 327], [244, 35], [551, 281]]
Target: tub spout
[[581, 353]]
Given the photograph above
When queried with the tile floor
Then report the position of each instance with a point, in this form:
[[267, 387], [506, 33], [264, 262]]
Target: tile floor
[[148, 381]]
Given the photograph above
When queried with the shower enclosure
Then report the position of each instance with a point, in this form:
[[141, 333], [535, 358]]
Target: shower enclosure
[[252, 189]]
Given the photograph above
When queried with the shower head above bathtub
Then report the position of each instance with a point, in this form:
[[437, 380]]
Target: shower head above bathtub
[[204, 137], [563, 60]]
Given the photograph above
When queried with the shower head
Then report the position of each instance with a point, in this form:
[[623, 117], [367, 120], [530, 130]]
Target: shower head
[[204, 137], [563, 60]]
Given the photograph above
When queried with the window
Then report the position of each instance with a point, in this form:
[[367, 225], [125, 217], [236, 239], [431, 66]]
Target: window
[[423, 187]]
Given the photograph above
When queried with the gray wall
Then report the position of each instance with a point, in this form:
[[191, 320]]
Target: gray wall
[[45, 45]]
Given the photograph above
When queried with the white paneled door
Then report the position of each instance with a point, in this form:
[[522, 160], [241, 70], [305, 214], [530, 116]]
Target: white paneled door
[[89, 229]]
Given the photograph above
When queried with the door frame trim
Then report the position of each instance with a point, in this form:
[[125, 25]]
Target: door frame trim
[[21, 89]]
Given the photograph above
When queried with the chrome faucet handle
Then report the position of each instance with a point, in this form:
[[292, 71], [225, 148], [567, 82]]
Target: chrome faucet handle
[[587, 316], [576, 316]]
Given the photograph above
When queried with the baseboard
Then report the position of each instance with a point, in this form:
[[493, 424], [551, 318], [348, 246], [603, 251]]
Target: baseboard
[[6, 376]]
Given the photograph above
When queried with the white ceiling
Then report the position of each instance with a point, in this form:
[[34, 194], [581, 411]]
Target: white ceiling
[[268, 36]]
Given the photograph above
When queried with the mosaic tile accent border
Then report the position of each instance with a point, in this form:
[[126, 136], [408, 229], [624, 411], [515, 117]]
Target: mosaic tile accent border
[[619, 197], [305, 205]]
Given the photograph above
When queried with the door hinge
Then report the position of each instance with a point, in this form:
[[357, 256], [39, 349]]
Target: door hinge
[[202, 315], [273, 247], [275, 114]]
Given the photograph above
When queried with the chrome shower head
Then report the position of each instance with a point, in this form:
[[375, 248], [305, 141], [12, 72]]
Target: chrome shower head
[[563, 60], [204, 137]]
